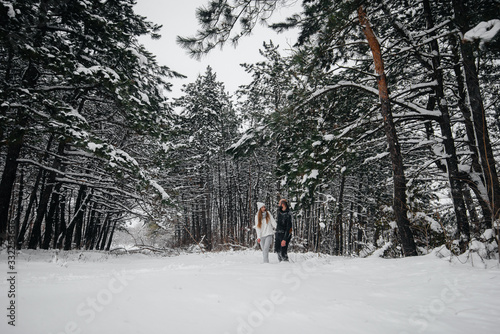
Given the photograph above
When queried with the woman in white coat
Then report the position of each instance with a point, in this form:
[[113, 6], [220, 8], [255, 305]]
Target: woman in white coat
[[265, 226]]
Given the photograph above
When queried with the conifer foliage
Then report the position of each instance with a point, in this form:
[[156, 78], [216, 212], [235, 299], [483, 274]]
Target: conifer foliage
[[380, 126], [77, 93], [362, 71]]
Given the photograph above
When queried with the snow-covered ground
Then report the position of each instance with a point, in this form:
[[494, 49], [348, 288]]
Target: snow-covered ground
[[233, 292]]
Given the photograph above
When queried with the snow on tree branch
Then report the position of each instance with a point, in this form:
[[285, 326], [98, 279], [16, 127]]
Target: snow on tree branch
[[420, 111], [484, 32]]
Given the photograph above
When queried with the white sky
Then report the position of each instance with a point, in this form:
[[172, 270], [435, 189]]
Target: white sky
[[178, 18]]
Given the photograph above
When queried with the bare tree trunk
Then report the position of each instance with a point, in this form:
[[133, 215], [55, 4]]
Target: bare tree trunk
[[80, 219], [24, 227], [349, 231], [338, 220], [456, 185], [399, 205], [478, 114], [9, 175], [19, 210], [110, 239], [477, 182], [105, 230], [77, 216], [16, 138], [61, 230]]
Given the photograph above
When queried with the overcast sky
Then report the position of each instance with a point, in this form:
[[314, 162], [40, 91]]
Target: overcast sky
[[178, 18]]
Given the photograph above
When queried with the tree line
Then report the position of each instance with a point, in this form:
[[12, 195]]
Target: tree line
[[380, 126], [393, 85], [79, 98]]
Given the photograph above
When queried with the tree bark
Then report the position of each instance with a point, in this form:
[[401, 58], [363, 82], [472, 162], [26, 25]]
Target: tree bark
[[36, 234], [338, 220], [9, 175], [80, 217], [77, 216], [24, 227], [110, 239], [19, 209], [51, 218], [399, 202], [16, 138], [454, 178], [61, 226], [475, 179], [478, 113]]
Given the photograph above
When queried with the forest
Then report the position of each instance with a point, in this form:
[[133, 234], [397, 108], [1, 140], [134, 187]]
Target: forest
[[381, 127]]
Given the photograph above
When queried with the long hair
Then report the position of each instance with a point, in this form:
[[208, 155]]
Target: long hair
[[259, 218]]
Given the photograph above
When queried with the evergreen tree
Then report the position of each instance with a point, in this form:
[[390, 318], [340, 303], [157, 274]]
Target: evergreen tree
[[70, 70], [332, 64], [208, 123]]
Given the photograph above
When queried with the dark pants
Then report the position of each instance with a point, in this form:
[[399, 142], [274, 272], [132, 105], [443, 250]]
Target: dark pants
[[281, 251]]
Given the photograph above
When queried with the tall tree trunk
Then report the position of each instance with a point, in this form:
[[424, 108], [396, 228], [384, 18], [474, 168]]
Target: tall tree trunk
[[475, 179], [399, 204], [250, 203], [360, 220], [50, 219], [456, 185], [80, 218], [19, 206], [110, 239], [91, 228], [41, 173], [59, 237], [15, 143], [24, 227], [43, 206], [349, 231], [338, 220], [77, 216], [52, 227], [105, 231], [16, 138], [478, 113]]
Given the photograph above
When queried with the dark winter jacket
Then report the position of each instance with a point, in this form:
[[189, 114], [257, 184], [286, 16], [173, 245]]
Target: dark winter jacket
[[284, 223]]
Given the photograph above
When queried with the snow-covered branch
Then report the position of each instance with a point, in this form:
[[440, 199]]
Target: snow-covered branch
[[484, 32]]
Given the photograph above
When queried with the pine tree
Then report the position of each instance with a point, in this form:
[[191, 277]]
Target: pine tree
[[208, 124], [71, 69]]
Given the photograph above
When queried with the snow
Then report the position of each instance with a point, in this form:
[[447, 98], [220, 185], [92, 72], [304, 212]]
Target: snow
[[313, 175], [488, 234], [329, 137], [160, 189], [73, 112], [233, 292], [142, 60], [119, 155], [316, 143], [434, 224], [107, 72], [247, 136], [484, 31], [377, 157], [380, 252], [11, 13], [144, 97], [93, 146]]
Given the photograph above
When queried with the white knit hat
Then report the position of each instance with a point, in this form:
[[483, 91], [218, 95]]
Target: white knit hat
[[260, 205]]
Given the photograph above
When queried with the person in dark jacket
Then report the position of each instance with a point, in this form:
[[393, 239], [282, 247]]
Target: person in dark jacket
[[283, 230]]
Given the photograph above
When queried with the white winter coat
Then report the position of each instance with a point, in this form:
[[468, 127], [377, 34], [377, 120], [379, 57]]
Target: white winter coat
[[266, 228]]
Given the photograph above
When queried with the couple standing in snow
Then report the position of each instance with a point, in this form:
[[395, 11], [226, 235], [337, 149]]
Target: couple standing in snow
[[265, 226]]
